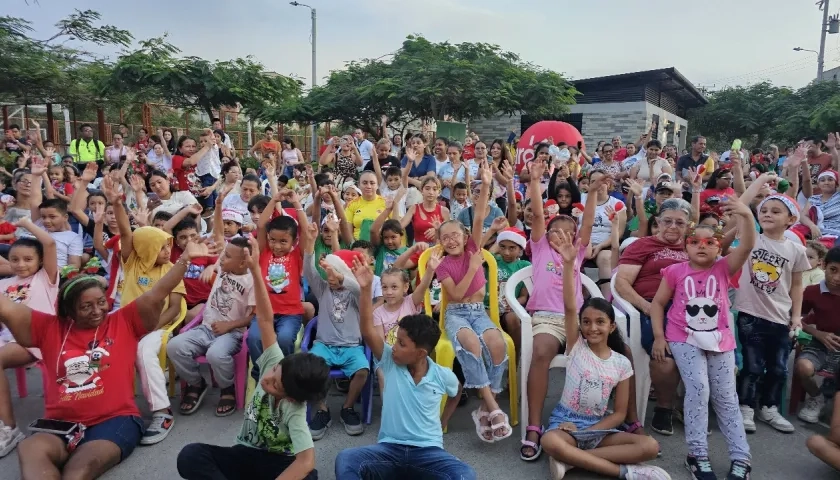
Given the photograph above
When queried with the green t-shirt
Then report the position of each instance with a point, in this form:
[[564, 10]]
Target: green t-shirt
[[505, 270], [385, 258], [278, 429], [322, 249]]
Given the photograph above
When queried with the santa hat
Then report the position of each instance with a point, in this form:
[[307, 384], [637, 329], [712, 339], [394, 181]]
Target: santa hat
[[550, 203], [795, 237], [342, 261], [232, 216], [830, 173], [512, 234], [789, 203], [518, 196]]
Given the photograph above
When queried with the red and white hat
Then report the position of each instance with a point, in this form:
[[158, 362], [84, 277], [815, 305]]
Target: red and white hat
[[342, 261], [232, 216], [795, 237], [512, 234], [830, 173]]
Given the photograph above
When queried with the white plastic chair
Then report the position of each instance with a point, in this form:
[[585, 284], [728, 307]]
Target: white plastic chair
[[525, 276], [641, 361]]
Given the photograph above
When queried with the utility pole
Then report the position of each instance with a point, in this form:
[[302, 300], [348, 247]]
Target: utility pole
[[314, 145], [823, 31]]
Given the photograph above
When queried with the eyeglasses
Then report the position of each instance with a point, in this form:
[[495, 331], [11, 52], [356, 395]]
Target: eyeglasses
[[670, 222], [451, 237], [25, 181], [702, 242]]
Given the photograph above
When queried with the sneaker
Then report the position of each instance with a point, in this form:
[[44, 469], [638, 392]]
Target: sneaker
[[663, 421], [646, 472], [771, 416], [162, 423], [700, 468], [739, 471], [352, 421], [558, 469], [748, 414], [9, 438], [321, 421], [811, 411]]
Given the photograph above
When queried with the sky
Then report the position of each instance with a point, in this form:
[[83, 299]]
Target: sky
[[714, 43]]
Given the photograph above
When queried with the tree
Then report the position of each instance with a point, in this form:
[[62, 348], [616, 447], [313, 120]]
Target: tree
[[41, 71], [426, 80], [155, 70]]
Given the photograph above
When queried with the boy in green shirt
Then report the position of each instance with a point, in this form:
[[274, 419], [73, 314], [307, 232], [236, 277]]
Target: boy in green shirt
[[275, 437], [508, 250]]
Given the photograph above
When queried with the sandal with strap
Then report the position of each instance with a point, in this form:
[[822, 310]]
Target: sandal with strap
[[226, 406], [529, 444], [494, 426], [481, 430], [192, 398]]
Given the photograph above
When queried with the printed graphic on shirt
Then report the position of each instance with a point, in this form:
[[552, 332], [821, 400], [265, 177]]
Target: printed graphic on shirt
[[765, 270], [223, 297], [144, 281], [193, 272], [278, 277], [194, 183], [81, 371], [17, 293], [434, 291], [590, 394], [701, 315], [268, 433], [388, 259], [341, 301], [391, 334]]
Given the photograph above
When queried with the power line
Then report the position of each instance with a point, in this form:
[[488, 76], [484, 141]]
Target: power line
[[772, 68]]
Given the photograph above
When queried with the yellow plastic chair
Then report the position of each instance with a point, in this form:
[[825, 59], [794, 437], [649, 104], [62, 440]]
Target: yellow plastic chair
[[168, 331], [445, 352]]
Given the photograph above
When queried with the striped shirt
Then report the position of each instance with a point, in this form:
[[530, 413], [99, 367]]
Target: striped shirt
[[831, 213]]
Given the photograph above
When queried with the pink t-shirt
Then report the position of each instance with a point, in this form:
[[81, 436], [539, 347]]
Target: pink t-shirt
[[456, 268], [389, 320], [700, 313], [36, 292], [548, 278]]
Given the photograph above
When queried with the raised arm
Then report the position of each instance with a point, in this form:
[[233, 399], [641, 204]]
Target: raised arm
[[36, 176], [115, 199], [77, 201], [512, 210], [739, 256], [538, 224], [194, 209], [737, 172], [50, 261], [364, 277], [419, 292], [376, 228], [757, 185], [568, 249], [486, 176], [328, 157], [588, 220], [345, 227]]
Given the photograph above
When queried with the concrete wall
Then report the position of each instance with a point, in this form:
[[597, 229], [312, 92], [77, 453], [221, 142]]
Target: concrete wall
[[489, 129]]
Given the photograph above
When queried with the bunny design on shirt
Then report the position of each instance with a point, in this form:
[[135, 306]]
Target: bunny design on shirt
[[701, 316]]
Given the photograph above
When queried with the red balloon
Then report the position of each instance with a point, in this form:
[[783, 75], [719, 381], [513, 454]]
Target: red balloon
[[559, 131]]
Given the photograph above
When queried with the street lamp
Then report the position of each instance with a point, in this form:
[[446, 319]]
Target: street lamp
[[314, 145], [800, 49]]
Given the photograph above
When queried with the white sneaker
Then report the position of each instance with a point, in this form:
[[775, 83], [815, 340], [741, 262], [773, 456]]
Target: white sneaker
[[9, 438], [811, 411], [646, 472], [771, 416], [558, 469], [747, 413]]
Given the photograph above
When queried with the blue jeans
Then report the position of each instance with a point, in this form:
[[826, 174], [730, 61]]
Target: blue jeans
[[208, 180], [387, 461], [478, 371], [286, 327], [765, 347], [646, 327]]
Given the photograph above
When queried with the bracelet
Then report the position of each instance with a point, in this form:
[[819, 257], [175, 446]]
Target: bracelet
[[696, 190], [183, 260]]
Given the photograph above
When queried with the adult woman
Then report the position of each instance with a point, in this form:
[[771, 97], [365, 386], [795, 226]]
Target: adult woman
[[383, 158], [454, 171], [541, 154], [22, 183], [362, 212], [500, 156], [607, 163], [718, 187], [397, 145], [653, 166], [185, 160], [344, 159], [116, 150], [439, 151], [563, 189], [169, 139], [637, 280], [167, 200], [89, 358], [422, 162], [828, 201], [426, 217], [159, 158], [290, 156]]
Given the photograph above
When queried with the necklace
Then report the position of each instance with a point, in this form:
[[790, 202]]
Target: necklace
[[63, 342]]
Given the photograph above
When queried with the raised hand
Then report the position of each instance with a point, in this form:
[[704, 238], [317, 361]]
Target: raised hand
[[38, 167], [485, 173], [99, 214], [634, 186], [363, 273], [196, 209], [499, 224], [537, 169], [109, 189], [89, 173], [831, 141], [138, 184], [141, 216], [477, 259], [312, 229], [331, 223], [420, 246], [130, 155], [196, 250], [253, 251], [733, 206], [434, 259], [565, 244]]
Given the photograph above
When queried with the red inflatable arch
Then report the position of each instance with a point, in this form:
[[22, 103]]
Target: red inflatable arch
[[560, 131]]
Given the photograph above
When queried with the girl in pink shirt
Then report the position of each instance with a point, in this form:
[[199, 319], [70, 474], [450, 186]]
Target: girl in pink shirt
[[479, 345], [699, 337]]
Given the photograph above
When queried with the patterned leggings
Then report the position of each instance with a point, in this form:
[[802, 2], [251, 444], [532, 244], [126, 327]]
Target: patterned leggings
[[705, 372]]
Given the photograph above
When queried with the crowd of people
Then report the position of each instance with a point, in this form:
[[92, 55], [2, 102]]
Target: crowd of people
[[117, 257]]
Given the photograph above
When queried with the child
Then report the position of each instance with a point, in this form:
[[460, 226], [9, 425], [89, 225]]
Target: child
[[387, 236], [34, 283], [337, 339], [145, 255], [820, 304], [249, 187], [410, 438], [256, 206], [7, 229], [62, 188], [484, 361], [198, 281], [55, 219], [219, 337], [701, 341], [508, 249], [460, 199], [581, 433], [547, 307], [769, 304], [282, 261], [815, 251], [273, 441], [827, 448], [366, 248], [398, 303]]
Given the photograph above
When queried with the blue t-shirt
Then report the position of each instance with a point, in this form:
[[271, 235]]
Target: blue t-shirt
[[466, 216], [427, 165], [411, 412]]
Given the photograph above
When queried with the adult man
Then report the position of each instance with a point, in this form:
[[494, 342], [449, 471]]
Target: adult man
[[818, 161], [124, 130], [217, 125], [266, 145], [86, 149], [14, 142], [619, 153], [365, 146]]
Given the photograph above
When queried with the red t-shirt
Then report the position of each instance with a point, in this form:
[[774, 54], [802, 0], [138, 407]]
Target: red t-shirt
[[86, 382], [818, 164], [7, 228], [620, 154], [282, 276], [423, 221], [652, 255], [820, 309], [197, 291], [469, 152], [188, 181]]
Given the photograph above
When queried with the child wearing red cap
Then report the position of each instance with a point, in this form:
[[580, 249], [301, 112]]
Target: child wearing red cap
[[508, 250]]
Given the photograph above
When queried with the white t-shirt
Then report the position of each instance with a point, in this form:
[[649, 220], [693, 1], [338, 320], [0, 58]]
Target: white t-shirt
[[162, 163], [366, 149], [590, 379], [177, 201], [67, 243], [231, 298], [235, 203], [210, 163], [602, 226]]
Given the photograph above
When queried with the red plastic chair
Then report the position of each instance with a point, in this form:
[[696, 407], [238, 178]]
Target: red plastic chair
[[240, 362], [20, 376]]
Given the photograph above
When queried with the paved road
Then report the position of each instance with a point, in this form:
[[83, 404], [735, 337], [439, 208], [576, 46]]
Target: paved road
[[775, 455]]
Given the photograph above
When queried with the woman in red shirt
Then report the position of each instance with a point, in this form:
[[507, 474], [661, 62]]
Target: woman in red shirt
[[89, 357], [427, 216], [185, 160], [718, 187]]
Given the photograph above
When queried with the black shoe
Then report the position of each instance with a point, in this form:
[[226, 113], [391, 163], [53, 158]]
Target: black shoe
[[321, 421], [700, 468], [342, 384], [739, 470], [663, 421], [352, 421]]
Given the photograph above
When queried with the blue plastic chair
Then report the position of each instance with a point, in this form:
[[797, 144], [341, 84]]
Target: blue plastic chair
[[367, 391]]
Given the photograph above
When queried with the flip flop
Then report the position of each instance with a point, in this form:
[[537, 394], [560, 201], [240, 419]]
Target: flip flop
[[477, 416], [527, 443], [494, 426], [193, 396]]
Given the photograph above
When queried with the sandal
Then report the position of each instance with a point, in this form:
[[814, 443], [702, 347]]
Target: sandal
[[495, 426], [632, 427], [227, 402], [192, 398], [529, 444], [481, 430]]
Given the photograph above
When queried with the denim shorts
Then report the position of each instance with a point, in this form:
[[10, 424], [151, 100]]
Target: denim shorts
[[349, 359], [480, 371], [586, 439], [125, 431], [208, 180], [646, 326]]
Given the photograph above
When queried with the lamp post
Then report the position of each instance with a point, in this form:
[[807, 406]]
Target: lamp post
[[314, 144], [828, 25], [800, 49]]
